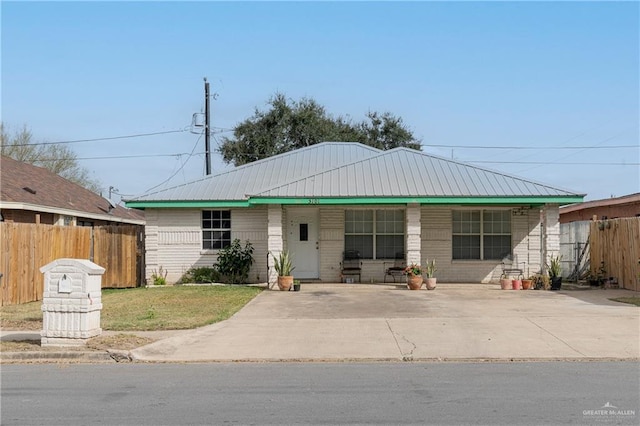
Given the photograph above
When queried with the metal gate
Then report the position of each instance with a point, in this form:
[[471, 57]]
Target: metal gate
[[574, 248]]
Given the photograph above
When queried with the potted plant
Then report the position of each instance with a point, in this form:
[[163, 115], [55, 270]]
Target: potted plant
[[555, 272], [527, 283], [594, 280], [414, 276], [505, 282], [602, 274], [284, 267], [296, 285], [516, 284], [540, 281], [430, 270]]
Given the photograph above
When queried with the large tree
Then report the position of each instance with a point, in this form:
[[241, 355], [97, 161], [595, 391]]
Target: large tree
[[288, 124], [57, 158]]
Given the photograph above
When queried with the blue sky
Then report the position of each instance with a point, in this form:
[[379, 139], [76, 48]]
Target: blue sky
[[464, 75]]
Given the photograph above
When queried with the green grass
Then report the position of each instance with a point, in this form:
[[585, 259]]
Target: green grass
[[629, 300], [148, 309]]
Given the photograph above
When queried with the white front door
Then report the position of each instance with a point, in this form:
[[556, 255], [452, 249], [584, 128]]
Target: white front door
[[302, 242]]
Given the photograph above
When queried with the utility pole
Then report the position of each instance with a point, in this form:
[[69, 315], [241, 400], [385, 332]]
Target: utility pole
[[207, 132]]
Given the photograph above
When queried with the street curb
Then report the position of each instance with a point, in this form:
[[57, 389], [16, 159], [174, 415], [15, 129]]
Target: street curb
[[125, 356], [56, 357], [381, 360]]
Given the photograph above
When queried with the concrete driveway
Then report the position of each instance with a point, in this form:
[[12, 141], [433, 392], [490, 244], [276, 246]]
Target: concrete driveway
[[338, 322]]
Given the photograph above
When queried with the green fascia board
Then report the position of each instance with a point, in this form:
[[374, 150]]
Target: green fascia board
[[530, 200], [182, 204]]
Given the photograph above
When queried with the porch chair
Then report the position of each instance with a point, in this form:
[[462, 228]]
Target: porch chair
[[351, 264], [511, 266], [396, 268]]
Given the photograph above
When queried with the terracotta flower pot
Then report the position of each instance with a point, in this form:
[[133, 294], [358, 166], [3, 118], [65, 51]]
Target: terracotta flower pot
[[516, 284], [505, 283], [431, 283], [526, 284], [285, 283], [414, 282]]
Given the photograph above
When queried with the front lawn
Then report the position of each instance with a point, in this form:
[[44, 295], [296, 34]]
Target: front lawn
[[630, 300], [148, 309]]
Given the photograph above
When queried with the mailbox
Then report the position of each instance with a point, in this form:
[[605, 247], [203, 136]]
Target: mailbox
[[71, 302]]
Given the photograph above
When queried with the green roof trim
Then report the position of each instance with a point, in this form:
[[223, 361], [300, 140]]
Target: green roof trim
[[533, 200], [301, 201]]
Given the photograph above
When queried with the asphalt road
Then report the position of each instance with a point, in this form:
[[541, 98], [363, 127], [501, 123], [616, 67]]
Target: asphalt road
[[321, 393]]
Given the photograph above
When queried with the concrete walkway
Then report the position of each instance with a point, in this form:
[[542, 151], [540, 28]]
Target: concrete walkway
[[338, 322]]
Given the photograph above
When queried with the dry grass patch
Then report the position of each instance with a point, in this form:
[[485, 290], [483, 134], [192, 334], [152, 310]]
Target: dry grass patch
[[630, 300], [148, 309], [27, 316], [100, 343], [34, 345], [120, 341]]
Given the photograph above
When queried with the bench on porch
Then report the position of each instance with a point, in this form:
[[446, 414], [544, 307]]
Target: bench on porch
[[351, 264], [396, 268], [511, 266]]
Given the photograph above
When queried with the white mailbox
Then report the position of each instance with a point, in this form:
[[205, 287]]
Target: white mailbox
[[71, 302]]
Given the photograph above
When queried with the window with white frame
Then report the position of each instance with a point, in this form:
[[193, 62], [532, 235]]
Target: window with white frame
[[216, 229], [481, 234], [375, 234]]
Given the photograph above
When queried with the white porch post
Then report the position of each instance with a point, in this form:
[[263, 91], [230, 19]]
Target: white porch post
[[413, 233], [551, 231], [275, 243]]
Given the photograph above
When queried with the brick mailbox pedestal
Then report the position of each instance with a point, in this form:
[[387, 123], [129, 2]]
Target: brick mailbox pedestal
[[71, 302]]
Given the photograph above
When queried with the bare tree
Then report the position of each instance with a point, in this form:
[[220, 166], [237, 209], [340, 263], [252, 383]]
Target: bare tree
[[59, 159]]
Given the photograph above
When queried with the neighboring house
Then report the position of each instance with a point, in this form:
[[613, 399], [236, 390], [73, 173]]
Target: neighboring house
[[321, 200], [608, 208], [31, 194]]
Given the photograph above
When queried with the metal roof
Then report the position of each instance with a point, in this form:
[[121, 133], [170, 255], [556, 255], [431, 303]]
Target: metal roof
[[404, 172], [253, 178], [352, 170]]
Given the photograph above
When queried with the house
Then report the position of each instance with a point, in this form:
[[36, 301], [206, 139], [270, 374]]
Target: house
[[319, 201], [608, 208], [31, 194]]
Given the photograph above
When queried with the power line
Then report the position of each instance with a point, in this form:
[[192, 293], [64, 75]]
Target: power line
[[180, 168], [528, 147], [138, 135], [547, 162], [114, 157], [193, 153]]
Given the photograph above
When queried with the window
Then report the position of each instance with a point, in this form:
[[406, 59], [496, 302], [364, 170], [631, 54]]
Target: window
[[304, 232], [379, 232], [481, 234], [216, 229]]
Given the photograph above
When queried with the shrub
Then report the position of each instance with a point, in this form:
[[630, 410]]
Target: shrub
[[159, 276], [200, 275], [234, 262]]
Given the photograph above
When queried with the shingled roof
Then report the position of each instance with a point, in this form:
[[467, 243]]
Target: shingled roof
[[27, 187]]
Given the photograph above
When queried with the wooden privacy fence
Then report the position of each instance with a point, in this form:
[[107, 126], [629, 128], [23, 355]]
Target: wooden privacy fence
[[616, 242], [27, 247]]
